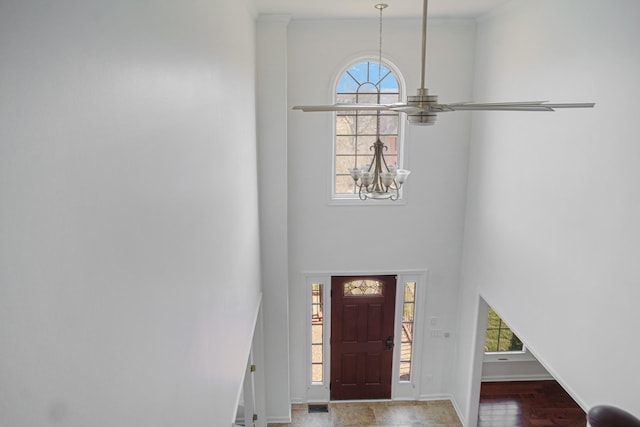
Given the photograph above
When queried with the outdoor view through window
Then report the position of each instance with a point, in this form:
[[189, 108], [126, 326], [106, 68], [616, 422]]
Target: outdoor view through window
[[364, 83], [499, 337]]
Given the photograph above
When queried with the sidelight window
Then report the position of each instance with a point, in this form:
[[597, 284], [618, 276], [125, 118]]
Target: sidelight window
[[406, 343], [317, 330]]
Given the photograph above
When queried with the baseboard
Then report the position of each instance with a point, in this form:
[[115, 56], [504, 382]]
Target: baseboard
[[437, 396], [533, 377], [463, 421], [278, 420]]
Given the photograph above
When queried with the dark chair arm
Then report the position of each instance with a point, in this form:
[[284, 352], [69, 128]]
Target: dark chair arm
[[610, 416]]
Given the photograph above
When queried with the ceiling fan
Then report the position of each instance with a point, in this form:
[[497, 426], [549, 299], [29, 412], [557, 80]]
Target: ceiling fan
[[422, 108]]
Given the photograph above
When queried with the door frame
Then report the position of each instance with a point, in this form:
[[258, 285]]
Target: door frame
[[400, 390]]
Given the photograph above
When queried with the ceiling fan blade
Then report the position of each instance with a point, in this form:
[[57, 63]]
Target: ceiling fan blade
[[513, 106], [572, 105], [422, 109], [343, 107], [404, 108]]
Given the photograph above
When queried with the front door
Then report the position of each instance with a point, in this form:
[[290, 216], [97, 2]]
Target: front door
[[362, 320]]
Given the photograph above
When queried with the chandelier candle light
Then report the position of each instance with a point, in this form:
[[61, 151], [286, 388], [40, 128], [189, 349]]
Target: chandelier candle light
[[378, 180]]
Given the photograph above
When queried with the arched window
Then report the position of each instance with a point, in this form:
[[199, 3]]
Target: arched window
[[365, 82]]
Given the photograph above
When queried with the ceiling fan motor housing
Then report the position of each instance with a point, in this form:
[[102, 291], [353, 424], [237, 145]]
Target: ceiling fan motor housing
[[423, 101]]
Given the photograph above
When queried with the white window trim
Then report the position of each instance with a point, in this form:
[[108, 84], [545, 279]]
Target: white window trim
[[509, 356], [319, 392], [340, 199], [409, 390]]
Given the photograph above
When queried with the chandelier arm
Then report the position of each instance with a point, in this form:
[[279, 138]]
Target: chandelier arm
[[360, 195]]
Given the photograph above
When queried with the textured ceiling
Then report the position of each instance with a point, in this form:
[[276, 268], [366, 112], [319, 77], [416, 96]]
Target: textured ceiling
[[319, 9]]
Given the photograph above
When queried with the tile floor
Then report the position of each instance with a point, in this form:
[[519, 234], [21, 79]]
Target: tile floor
[[436, 413]]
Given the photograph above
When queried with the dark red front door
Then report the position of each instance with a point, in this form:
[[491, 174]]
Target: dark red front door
[[362, 320]]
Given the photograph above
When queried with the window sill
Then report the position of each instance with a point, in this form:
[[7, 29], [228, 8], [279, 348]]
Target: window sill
[[508, 357], [368, 202]]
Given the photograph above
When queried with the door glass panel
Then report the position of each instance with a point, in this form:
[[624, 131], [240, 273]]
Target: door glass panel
[[362, 287]]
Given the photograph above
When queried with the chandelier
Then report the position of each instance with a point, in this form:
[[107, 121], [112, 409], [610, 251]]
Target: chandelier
[[379, 180]]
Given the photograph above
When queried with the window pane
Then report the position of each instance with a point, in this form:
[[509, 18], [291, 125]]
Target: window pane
[[343, 163], [345, 145], [493, 321], [505, 339], [316, 333], [367, 124], [491, 341], [388, 124], [367, 98], [346, 98], [316, 353], [405, 371], [389, 98], [316, 373], [344, 184], [409, 292], [359, 72], [388, 82], [515, 344], [345, 125], [392, 160], [408, 324], [391, 143], [406, 351], [364, 146], [347, 83], [368, 88]]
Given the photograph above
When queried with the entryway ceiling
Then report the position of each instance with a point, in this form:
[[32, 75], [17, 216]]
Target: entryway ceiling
[[320, 9]]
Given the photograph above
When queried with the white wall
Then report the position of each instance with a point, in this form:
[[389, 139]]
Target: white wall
[[129, 262], [552, 238], [423, 234]]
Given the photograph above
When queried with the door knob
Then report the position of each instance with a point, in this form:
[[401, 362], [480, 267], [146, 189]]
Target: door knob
[[389, 343]]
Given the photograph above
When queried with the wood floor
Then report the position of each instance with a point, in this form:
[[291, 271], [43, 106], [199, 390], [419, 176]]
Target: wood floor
[[528, 404]]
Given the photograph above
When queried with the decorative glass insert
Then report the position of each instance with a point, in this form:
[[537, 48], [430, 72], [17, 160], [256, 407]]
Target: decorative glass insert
[[406, 346], [499, 336], [317, 325], [366, 82], [363, 287]]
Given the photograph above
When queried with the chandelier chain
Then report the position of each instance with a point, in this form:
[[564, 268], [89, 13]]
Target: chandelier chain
[[380, 43], [380, 7]]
